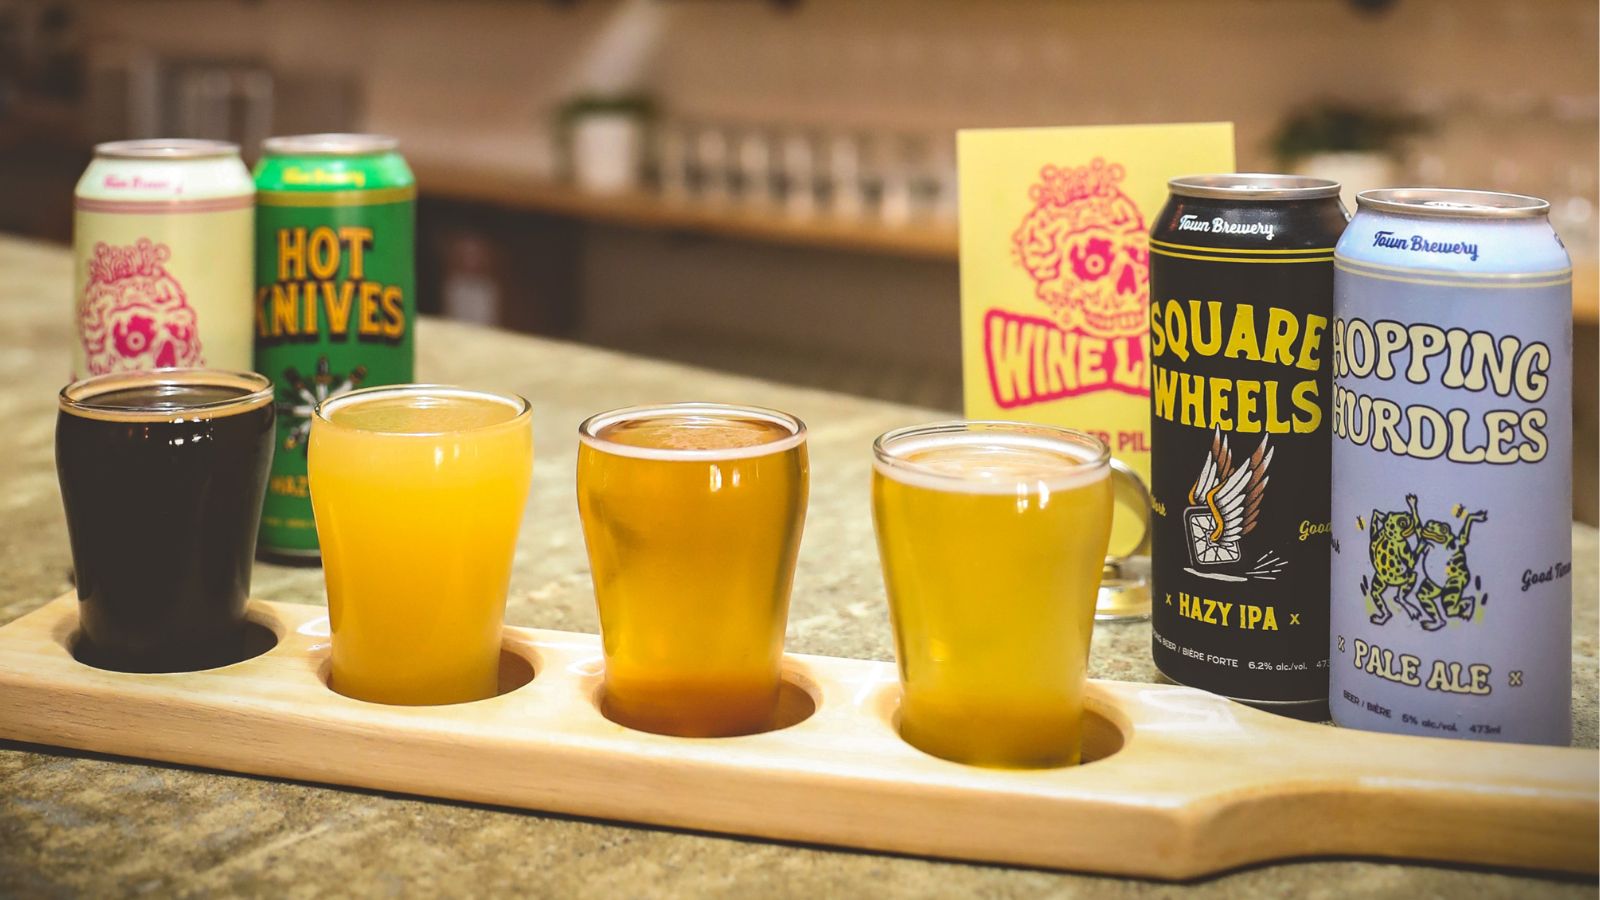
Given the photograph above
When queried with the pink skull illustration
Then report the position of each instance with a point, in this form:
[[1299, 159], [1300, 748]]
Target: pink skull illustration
[[1084, 244], [133, 314]]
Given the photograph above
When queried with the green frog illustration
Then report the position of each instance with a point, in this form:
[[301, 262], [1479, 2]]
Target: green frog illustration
[[1394, 553], [1448, 599]]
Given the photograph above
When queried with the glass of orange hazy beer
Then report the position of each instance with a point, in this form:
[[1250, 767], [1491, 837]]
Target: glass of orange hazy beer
[[418, 491], [692, 514], [992, 536]]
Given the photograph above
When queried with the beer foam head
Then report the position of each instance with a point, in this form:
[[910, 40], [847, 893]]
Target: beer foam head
[[692, 431], [166, 395], [420, 409], [991, 457]]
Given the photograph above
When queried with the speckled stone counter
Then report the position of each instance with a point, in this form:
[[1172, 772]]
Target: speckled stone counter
[[74, 824]]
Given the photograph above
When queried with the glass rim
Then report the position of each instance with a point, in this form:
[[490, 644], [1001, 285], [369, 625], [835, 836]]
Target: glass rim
[[890, 464], [77, 398], [589, 430], [327, 406]]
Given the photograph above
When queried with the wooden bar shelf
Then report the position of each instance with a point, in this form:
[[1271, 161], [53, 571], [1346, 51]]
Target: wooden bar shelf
[[642, 209], [506, 187]]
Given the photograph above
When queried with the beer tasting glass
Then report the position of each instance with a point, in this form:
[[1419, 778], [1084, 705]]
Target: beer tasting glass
[[992, 536], [692, 514], [162, 474], [418, 491]]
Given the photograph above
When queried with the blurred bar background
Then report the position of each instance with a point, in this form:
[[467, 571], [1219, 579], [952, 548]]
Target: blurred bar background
[[768, 187]]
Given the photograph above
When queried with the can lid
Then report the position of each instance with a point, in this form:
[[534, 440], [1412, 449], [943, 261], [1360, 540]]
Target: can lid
[[166, 148], [331, 144], [1254, 186], [1453, 204]]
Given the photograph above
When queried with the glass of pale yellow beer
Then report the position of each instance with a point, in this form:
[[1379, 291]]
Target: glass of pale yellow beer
[[692, 514], [418, 491], [992, 536]]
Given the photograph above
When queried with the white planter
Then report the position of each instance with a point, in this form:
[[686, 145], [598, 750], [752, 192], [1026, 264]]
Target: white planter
[[606, 152]]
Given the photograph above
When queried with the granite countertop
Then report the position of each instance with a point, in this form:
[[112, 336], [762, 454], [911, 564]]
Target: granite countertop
[[74, 823]]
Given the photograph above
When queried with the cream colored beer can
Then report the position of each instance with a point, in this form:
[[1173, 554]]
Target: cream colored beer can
[[163, 258]]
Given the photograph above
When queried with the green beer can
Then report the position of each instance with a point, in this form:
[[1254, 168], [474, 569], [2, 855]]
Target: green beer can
[[335, 303]]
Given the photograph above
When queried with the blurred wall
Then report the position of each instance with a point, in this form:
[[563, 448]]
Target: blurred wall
[[1512, 86], [481, 71]]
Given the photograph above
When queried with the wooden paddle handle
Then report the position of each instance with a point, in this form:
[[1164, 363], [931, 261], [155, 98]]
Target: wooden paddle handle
[[1281, 788]]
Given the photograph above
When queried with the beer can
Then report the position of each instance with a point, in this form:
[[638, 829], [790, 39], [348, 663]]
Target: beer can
[[1452, 466], [335, 304], [161, 257], [1241, 296]]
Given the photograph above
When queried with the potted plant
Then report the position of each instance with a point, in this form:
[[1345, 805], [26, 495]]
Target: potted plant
[[1358, 147], [605, 139]]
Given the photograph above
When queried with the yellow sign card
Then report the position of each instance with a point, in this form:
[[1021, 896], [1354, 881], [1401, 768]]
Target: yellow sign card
[[1055, 272]]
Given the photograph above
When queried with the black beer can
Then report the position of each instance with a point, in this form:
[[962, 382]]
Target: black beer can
[[1241, 299]]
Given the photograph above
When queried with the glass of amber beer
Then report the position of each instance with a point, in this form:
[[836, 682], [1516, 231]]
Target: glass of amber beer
[[418, 491], [692, 514], [992, 536]]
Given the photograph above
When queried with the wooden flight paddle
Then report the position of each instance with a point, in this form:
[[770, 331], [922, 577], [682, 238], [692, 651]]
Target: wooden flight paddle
[[1180, 784]]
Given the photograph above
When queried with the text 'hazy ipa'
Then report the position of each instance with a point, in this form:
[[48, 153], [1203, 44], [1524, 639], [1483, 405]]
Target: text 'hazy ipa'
[[161, 257], [161, 475], [418, 492], [692, 515], [1241, 295], [1452, 453], [992, 537], [334, 299]]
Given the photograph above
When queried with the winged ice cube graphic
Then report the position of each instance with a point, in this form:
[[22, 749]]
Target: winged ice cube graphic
[[1224, 502]]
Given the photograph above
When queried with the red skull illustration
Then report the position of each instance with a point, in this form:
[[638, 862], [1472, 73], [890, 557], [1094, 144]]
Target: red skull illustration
[[1085, 245], [133, 314]]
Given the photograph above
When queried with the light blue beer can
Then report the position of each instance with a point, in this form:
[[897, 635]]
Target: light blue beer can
[[1451, 547]]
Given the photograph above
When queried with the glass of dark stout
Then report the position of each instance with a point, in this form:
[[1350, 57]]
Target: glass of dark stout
[[162, 474]]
